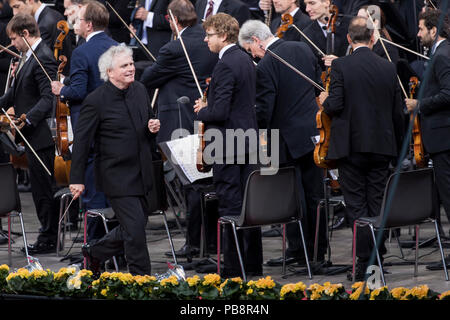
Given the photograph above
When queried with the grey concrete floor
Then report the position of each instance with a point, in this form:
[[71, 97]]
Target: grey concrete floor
[[399, 275]]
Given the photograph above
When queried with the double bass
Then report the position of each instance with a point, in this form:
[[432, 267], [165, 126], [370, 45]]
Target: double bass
[[323, 121], [419, 151], [62, 164]]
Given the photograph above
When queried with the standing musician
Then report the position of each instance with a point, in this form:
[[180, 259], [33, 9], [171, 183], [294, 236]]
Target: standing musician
[[434, 107], [285, 8], [366, 131], [85, 78], [172, 75], [72, 7], [117, 115], [319, 12], [47, 20], [230, 105], [287, 102], [31, 95], [234, 8]]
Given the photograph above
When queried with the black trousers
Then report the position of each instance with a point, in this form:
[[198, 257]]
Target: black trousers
[[441, 164], [310, 184], [42, 189], [128, 237], [229, 182], [363, 177]]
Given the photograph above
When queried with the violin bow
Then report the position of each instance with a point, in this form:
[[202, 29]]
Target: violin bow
[[2, 48], [186, 54], [386, 52], [406, 49], [309, 40], [34, 55], [287, 64], [26, 141]]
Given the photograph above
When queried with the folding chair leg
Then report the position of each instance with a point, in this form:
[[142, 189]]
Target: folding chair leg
[[85, 236], [284, 248], [440, 248], [219, 228], [378, 254], [116, 266], [58, 237], [170, 237], [316, 235], [9, 241], [400, 246], [25, 242], [236, 240], [416, 266], [304, 249], [355, 228]]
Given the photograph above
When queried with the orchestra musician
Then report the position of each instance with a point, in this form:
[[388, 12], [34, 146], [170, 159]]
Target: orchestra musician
[[172, 75], [85, 78], [71, 12], [366, 130], [287, 102], [31, 95], [117, 116], [47, 19], [287, 7], [434, 111], [230, 105], [235, 8]]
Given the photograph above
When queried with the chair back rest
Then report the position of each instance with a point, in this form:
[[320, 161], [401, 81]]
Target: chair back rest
[[9, 195], [270, 199], [413, 200]]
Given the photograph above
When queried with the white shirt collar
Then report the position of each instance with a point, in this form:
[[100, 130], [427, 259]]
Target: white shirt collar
[[38, 12], [433, 49], [293, 12], [181, 32], [225, 49], [271, 41], [362, 46], [34, 46], [92, 34]]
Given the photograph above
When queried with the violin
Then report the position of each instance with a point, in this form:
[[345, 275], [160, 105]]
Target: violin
[[62, 165], [201, 165], [419, 151], [286, 21], [323, 121]]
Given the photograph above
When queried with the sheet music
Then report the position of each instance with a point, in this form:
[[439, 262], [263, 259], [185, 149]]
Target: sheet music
[[184, 153]]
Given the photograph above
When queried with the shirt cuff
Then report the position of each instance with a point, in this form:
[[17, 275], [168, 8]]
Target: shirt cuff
[[148, 23]]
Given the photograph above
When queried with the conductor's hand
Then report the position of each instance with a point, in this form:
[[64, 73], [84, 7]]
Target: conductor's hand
[[199, 105], [265, 5], [76, 189], [154, 125]]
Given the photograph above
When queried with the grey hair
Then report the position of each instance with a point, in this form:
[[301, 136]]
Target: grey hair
[[106, 60], [254, 28]]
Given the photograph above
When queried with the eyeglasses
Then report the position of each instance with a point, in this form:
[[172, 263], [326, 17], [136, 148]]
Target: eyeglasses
[[209, 35]]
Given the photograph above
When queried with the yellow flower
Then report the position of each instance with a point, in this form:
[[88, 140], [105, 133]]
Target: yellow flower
[[95, 283], [211, 279], [4, 267], [315, 296], [104, 292], [171, 280], [399, 293], [249, 291], [444, 295], [265, 283], [420, 292], [140, 280], [85, 273], [193, 281], [237, 279]]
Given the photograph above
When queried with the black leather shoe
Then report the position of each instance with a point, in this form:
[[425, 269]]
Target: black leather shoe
[[273, 232], [279, 261], [41, 248], [360, 272], [438, 265], [93, 264], [183, 252]]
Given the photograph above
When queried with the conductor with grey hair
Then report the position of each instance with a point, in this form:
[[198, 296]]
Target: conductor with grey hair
[[117, 116], [286, 102]]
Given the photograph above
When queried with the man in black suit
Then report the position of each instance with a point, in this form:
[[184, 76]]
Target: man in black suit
[[366, 130], [231, 101], [31, 95], [319, 12], [156, 30], [434, 106], [72, 7], [47, 20], [172, 75], [117, 115], [286, 102], [234, 8], [291, 8]]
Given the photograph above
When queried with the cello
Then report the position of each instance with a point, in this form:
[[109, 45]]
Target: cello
[[323, 121], [62, 165], [419, 151]]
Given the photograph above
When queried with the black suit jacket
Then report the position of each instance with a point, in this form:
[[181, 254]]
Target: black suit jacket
[[160, 33], [435, 105], [301, 20], [31, 94], [49, 33], [314, 32], [234, 8], [365, 105], [123, 160], [172, 75], [284, 100], [231, 95]]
